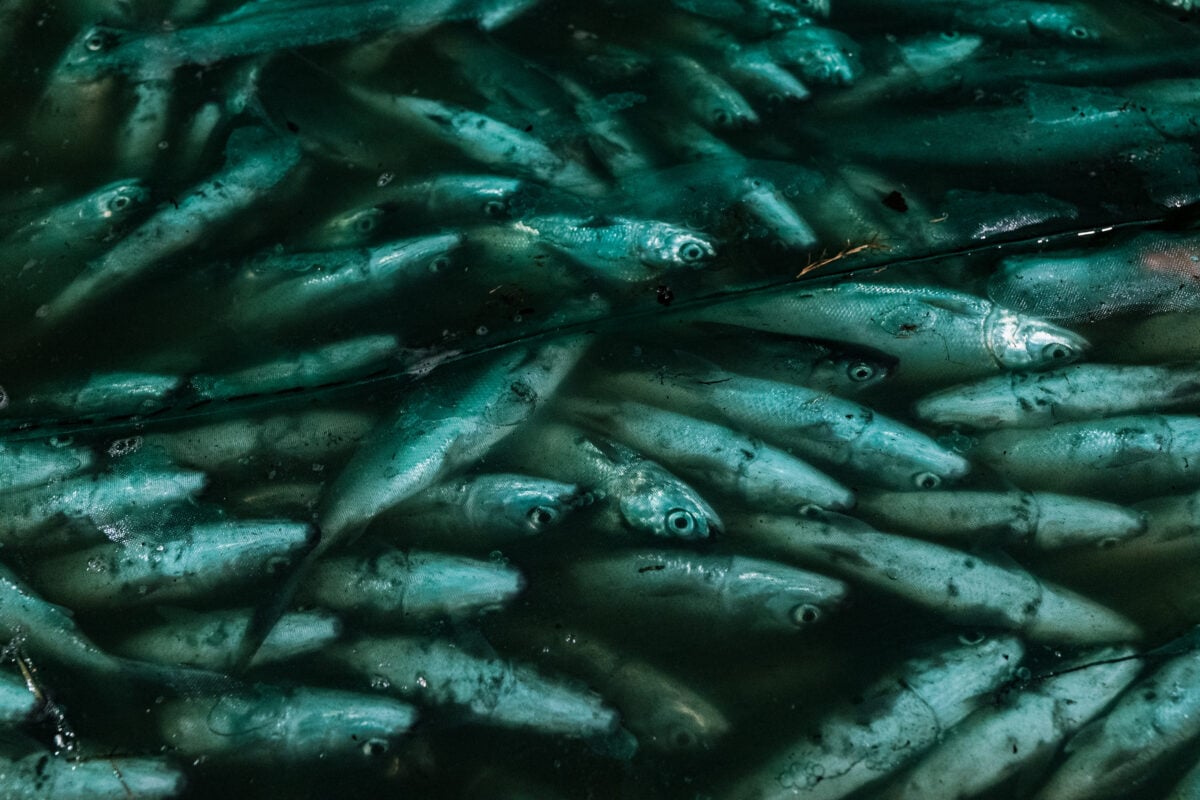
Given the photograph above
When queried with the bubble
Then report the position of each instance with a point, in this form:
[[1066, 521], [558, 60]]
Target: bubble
[[123, 447], [380, 683], [384, 179]]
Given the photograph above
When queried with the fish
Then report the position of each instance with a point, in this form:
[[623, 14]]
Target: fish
[[496, 506], [962, 587], [267, 724], [665, 714], [616, 248], [42, 776], [345, 230], [710, 100], [338, 362], [750, 595], [490, 691], [300, 286], [109, 394], [483, 138], [1156, 718], [742, 466], [182, 565], [905, 713], [210, 640], [993, 743], [1041, 520], [256, 163], [1126, 456], [29, 516], [634, 493], [411, 587], [96, 216], [822, 55], [232, 444], [814, 425], [17, 703], [935, 334], [448, 425], [30, 464], [1148, 273], [1077, 393]]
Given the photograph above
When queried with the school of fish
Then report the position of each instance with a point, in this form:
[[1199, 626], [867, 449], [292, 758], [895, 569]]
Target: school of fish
[[699, 399]]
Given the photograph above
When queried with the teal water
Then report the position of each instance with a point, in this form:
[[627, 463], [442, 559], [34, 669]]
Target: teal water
[[1027, 145]]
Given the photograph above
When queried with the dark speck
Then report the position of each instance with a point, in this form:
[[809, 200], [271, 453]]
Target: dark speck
[[293, 127], [896, 202], [652, 568], [664, 294]]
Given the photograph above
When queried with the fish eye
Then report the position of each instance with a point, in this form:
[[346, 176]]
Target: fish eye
[[720, 116], [1057, 352], [438, 264], [972, 638], [810, 511], [99, 41], [117, 203], [926, 480], [365, 225], [277, 565], [374, 747], [805, 614], [860, 371], [494, 209], [680, 522], [541, 516], [1079, 32], [692, 251], [683, 738], [950, 36]]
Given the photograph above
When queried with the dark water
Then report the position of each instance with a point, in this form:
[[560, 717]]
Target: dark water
[[1026, 145]]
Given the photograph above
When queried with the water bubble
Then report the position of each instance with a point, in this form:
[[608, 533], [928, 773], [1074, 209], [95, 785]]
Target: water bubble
[[380, 683], [384, 179]]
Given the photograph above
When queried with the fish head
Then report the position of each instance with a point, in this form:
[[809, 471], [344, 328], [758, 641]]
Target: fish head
[[84, 59], [523, 505], [681, 722], [1020, 342], [669, 246], [823, 55], [118, 199], [848, 374], [656, 502], [1063, 23], [785, 598], [351, 228]]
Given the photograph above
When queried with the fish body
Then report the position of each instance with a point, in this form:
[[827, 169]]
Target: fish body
[[42, 776], [1146, 454], [255, 164], [27, 515], [755, 472], [1041, 520], [440, 431], [491, 691], [663, 712], [901, 716], [232, 445], [1147, 274], [1157, 717], [206, 558], [711, 101], [934, 333], [822, 55], [411, 587], [815, 425], [111, 394], [1078, 392], [27, 465], [960, 586], [266, 725], [995, 742], [17, 703], [741, 593], [210, 640], [340, 280], [333, 363]]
